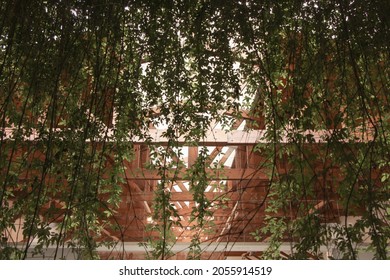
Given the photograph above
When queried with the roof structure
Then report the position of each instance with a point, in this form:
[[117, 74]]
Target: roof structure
[[237, 193]]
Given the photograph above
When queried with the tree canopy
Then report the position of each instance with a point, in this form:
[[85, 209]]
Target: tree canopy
[[84, 77]]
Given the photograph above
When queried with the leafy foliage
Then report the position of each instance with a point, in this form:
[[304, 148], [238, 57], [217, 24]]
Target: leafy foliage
[[84, 76]]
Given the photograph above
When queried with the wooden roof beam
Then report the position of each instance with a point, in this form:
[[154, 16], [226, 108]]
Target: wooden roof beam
[[181, 175], [215, 137], [212, 196]]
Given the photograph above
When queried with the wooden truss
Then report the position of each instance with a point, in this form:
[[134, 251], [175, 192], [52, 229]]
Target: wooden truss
[[238, 191]]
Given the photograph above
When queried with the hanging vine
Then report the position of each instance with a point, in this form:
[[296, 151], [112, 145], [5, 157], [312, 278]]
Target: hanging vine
[[79, 79]]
